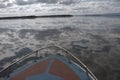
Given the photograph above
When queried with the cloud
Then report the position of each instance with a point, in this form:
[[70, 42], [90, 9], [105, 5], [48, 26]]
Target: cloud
[[48, 1], [101, 7], [26, 2], [30, 7], [68, 2], [2, 6], [5, 3]]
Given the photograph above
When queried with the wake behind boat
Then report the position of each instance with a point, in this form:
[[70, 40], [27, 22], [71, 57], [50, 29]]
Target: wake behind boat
[[47, 63]]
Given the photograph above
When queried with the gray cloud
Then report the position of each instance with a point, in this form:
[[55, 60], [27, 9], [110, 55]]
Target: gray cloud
[[2, 6], [117, 0], [67, 2], [48, 1], [79, 7], [5, 3], [23, 2]]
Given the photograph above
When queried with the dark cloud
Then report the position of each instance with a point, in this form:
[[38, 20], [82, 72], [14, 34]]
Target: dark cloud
[[48, 1], [23, 2], [67, 2]]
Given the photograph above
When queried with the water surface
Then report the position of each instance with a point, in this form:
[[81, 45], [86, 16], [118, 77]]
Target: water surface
[[95, 40]]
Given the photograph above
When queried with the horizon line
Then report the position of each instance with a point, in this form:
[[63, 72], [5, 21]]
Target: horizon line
[[59, 16], [34, 16]]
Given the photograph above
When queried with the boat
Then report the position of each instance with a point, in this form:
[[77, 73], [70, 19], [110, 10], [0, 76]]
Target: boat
[[47, 63]]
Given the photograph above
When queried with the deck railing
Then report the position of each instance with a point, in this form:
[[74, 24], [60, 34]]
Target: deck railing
[[37, 54]]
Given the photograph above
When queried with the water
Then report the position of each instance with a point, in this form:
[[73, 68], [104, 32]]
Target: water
[[95, 40]]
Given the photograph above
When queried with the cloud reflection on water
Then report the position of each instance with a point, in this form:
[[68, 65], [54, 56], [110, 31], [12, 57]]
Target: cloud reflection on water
[[98, 39]]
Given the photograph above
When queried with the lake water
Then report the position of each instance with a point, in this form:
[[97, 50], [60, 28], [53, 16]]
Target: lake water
[[98, 39]]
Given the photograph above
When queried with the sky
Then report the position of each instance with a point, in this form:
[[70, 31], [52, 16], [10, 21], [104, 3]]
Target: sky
[[48, 7]]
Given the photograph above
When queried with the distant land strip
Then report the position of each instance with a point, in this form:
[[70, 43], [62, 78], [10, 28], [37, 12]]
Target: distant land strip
[[33, 17], [61, 16]]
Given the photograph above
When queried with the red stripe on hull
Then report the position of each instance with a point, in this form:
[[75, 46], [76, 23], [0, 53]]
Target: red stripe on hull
[[38, 68], [60, 69]]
